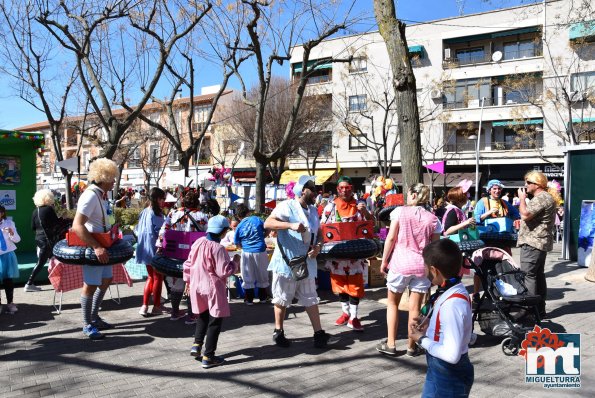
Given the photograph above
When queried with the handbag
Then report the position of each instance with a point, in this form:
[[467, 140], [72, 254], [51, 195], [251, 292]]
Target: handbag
[[298, 265]]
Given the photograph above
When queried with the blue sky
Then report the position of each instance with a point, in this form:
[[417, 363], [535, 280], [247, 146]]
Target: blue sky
[[14, 112]]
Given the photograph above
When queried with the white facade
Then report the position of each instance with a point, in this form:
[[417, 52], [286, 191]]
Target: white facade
[[518, 59]]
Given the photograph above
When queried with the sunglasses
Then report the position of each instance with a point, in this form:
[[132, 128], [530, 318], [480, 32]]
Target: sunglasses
[[530, 182]]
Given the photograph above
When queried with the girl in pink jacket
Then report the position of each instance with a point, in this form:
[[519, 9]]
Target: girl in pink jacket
[[206, 272]]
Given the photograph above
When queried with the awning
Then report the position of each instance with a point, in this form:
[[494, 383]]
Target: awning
[[581, 30], [293, 175], [493, 35], [584, 120], [516, 122], [440, 180], [325, 64], [419, 50]]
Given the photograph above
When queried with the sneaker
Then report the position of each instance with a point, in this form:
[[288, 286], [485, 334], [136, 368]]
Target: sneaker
[[212, 362], [280, 339], [144, 311], [355, 324], [91, 332], [384, 348], [191, 319], [415, 351], [160, 310], [31, 288], [322, 339], [196, 350], [177, 315], [11, 308], [342, 320], [248, 302], [100, 324]]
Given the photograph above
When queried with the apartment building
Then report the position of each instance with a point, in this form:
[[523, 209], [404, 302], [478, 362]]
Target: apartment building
[[524, 74], [144, 152]]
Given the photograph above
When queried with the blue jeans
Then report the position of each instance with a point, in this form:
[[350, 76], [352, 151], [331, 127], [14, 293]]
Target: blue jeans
[[447, 380]]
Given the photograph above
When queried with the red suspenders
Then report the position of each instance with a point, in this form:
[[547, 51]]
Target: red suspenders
[[437, 328]]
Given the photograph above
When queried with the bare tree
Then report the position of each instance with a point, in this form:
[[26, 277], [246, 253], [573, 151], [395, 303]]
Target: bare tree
[[392, 31], [38, 78], [367, 111], [270, 40], [120, 48]]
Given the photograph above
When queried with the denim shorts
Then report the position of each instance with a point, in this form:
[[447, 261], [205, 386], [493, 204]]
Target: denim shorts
[[93, 274], [447, 380]]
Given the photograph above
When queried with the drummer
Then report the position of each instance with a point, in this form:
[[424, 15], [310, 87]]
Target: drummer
[[347, 275], [494, 206]]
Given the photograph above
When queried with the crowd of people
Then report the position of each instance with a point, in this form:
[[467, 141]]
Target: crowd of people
[[414, 258]]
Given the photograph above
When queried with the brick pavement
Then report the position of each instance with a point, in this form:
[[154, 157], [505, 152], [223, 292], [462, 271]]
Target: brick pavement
[[43, 354]]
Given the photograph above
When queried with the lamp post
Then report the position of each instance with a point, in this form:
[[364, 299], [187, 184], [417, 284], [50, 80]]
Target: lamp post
[[478, 137]]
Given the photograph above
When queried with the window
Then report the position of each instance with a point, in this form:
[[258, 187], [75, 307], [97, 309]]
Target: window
[[520, 49], [173, 157], [134, 160], [582, 81], [471, 55], [201, 112], [46, 165], [357, 141], [467, 93], [358, 103], [527, 138], [154, 154], [85, 164], [459, 141], [358, 64], [230, 146]]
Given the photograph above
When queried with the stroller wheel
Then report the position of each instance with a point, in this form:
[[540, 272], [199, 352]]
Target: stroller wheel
[[509, 348]]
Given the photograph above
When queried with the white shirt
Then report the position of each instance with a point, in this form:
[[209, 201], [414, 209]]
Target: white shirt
[[456, 326], [92, 205]]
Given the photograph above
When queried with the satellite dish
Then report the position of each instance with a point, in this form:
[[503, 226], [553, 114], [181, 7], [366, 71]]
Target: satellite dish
[[497, 56]]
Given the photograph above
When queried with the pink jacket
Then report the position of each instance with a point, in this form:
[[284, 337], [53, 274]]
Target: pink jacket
[[207, 269]]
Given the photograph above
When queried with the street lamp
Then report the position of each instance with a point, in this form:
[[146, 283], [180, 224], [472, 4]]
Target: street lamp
[[478, 138]]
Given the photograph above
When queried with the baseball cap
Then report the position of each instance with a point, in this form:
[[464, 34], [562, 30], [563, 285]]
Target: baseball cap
[[217, 224], [299, 185], [492, 183]]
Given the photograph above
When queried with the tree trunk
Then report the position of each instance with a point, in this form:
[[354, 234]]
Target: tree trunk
[[393, 32], [261, 168]]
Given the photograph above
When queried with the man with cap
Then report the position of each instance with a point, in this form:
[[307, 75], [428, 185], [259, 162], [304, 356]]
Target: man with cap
[[297, 225], [347, 275]]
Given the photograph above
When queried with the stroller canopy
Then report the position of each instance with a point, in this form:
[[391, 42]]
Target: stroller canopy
[[494, 254]]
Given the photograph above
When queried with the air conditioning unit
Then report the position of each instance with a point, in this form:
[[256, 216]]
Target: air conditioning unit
[[436, 94], [474, 103], [447, 53]]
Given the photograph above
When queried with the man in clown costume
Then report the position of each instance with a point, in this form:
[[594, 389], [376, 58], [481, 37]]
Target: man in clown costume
[[347, 275]]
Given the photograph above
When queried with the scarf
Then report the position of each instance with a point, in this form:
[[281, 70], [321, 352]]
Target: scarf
[[426, 310], [346, 209]]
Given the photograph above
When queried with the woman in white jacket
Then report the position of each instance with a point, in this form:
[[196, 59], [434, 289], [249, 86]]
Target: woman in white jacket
[[9, 267]]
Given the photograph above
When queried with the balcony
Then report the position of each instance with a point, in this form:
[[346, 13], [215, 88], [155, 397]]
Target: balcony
[[468, 60], [468, 146], [470, 103], [511, 145]]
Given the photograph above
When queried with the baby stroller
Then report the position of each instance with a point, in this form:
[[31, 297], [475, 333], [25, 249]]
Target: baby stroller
[[504, 293]]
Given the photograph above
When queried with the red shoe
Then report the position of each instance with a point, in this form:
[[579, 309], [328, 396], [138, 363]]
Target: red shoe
[[355, 324], [342, 320]]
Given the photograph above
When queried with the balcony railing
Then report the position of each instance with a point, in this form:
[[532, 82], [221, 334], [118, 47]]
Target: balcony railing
[[511, 145], [528, 53], [470, 103], [467, 60], [461, 147]]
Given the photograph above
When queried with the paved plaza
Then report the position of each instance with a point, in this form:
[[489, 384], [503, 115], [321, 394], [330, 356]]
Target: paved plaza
[[45, 354]]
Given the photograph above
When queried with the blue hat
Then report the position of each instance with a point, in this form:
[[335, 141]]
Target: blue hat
[[491, 183], [217, 224], [299, 186]]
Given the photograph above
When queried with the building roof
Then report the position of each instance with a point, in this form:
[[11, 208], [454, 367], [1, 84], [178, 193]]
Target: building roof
[[121, 111]]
